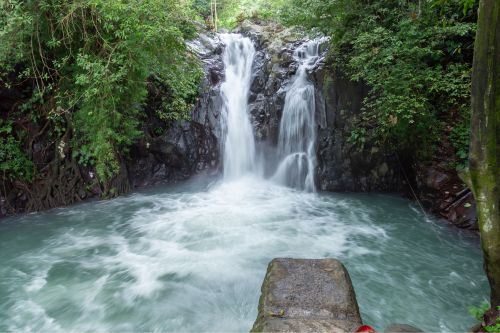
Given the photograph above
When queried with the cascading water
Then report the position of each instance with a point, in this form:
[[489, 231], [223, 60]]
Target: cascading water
[[239, 145], [297, 137]]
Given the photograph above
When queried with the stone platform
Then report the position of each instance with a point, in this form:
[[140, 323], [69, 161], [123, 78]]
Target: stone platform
[[307, 295]]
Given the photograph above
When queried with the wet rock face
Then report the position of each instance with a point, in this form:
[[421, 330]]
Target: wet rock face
[[273, 67], [190, 147], [341, 165], [267, 98], [307, 295], [186, 147], [445, 194]]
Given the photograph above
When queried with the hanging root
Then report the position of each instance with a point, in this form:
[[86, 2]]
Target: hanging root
[[61, 184]]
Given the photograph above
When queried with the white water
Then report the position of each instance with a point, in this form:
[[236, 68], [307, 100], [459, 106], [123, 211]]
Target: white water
[[239, 143], [297, 137], [192, 258]]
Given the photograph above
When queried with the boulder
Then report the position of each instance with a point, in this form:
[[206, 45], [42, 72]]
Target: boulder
[[307, 295]]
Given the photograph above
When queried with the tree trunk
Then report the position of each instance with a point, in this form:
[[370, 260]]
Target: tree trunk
[[212, 13], [485, 139], [215, 14]]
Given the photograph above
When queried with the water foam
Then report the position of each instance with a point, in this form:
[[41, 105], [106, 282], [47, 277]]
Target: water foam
[[193, 259]]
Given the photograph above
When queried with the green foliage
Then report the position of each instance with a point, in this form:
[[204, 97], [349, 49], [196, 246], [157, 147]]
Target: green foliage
[[232, 12], [358, 137], [460, 137], [84, 156], [13, 162], [493, 328], [478, 313], [415, 56], [228, 11], [181, 93], [93, 58]]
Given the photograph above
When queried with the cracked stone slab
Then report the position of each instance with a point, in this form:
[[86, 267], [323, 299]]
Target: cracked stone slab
[[307, 295]]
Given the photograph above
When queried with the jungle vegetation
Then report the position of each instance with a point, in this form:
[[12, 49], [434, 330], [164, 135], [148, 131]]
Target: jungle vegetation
[[78, 73]]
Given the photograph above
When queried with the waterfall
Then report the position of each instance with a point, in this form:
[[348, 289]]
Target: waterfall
[[239, 143], [297, 136]]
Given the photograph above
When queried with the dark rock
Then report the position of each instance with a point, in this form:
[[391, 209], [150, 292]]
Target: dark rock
[[435, 179], [307, 295], [441, 191], [341, 165], [273, 67], [186, 147], [82, 194]]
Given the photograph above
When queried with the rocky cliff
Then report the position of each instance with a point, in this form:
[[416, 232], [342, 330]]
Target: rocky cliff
[[186, 147], [166, 152], [175, 151], [342, 166]]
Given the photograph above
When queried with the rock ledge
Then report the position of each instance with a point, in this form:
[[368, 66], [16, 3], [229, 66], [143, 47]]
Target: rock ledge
[[307, 295]]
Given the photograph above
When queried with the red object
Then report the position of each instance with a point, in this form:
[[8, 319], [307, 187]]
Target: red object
[[365, 329]]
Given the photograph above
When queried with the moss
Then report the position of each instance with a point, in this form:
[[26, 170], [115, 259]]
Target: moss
[[484, 148]]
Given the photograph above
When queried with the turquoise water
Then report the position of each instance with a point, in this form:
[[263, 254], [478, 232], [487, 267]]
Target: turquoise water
[[192, 258]]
